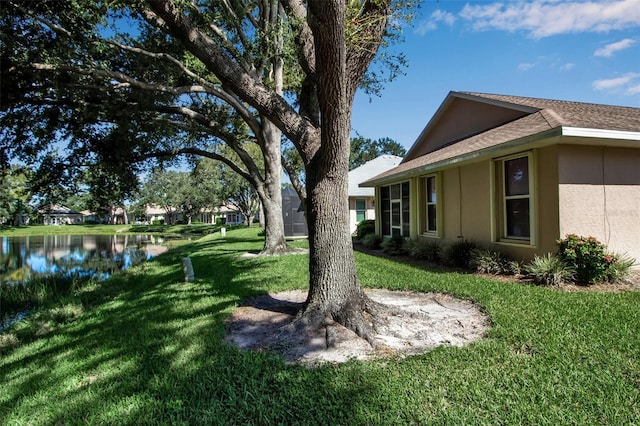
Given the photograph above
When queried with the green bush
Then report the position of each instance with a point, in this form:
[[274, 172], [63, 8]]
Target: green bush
[[550, 270], [372, 241], [591, 260], [458, 254], [394, 245], [619, 268], [516, 267], [425, 249], [365, 227], [486, 261]]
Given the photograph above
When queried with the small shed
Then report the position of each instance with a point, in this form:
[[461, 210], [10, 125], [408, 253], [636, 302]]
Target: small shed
[[295, 222]]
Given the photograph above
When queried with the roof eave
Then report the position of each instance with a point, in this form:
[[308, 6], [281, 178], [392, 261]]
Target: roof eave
[[547, 137], [583, 132]]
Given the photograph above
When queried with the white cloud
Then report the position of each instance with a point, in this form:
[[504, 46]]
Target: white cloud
[[617, 83], [633, 90], [552, 63], [526, 67], [544, 18], [434, 20], [612, 48]]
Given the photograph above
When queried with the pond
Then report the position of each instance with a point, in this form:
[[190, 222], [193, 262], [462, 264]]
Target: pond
[[99, 256]]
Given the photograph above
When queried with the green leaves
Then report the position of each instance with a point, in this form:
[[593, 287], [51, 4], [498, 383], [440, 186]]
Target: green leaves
[[365, 149]]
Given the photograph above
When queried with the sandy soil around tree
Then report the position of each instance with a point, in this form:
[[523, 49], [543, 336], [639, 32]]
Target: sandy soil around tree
[[417, 323]]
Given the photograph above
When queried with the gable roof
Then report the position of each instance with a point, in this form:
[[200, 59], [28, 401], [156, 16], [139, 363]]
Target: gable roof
[[368, 170], [56, 209], [470, 126]]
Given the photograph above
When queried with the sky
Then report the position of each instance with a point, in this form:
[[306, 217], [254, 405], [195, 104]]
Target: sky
[[574, 50]]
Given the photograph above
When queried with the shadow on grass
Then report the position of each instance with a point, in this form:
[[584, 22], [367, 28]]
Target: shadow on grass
[[148, 348]]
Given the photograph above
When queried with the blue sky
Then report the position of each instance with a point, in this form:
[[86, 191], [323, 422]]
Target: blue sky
[[576, 50]]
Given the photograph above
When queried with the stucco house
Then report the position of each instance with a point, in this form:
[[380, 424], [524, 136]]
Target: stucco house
[[55, 214], [361, 199], [229, 214], [516, 174]]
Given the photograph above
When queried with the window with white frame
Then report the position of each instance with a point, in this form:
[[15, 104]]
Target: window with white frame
[[361, 209], [430, 217]]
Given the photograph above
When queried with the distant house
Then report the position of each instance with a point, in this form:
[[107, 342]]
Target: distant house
[[155, 213], [293, 214], [361, 199], [117, 216], [516, 174], [229, 215], [55, 214]]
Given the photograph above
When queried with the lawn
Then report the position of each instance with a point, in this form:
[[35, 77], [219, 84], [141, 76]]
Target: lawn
[[20, 231], [147, 348]]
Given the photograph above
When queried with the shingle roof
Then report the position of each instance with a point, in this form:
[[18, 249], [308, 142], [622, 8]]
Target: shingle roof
[[548, 114], [58, 209], [577, 114], [368, 170]]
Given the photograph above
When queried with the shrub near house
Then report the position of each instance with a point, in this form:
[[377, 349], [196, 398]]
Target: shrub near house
[[591, 260], [579, 260]]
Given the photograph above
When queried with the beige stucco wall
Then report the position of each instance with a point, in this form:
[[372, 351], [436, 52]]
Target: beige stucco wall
[[547, 203], [477, 116], [468, 211], [451, 207], [466, 203], [599, 190], [589, 191]]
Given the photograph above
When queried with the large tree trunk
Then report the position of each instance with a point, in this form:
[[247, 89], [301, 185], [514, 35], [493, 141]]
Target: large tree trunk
[[274, 238], [271, 193], [334, 293], [336, 69]]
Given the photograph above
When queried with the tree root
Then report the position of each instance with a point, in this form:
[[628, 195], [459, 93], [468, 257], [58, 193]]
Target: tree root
[[361, 315], [281, 250]]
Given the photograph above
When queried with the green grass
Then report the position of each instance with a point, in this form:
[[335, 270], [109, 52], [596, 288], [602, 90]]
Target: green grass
[[147, 348], [194, 229], [23, 231]]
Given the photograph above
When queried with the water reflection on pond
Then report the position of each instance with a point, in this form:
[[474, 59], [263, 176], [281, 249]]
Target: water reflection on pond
[[99, 256]]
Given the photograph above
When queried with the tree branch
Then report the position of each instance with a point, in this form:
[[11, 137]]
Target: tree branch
[[367, 28], [201, 153], [55, 27], [125, 80], [295, 180], [269, 104], [220, 132], [304, 36]]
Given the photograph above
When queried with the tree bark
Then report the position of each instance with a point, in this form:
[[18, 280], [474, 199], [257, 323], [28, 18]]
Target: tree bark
[[336, 69], [271, 195], [274, 239], [335, 293]]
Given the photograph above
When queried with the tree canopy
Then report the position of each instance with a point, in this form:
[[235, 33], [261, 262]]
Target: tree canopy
[[128, 80], [365, 149]]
